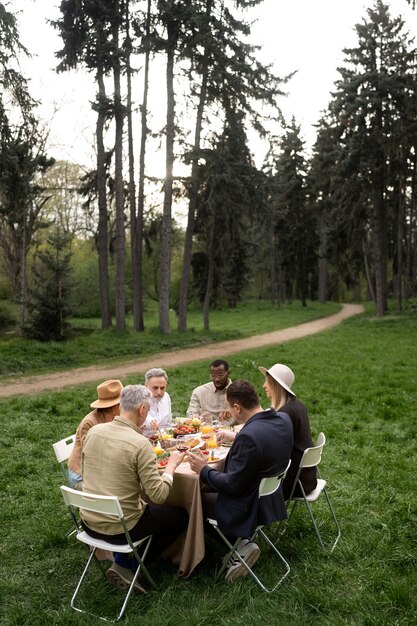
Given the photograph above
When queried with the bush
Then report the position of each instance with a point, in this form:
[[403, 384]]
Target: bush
[[8, 314]]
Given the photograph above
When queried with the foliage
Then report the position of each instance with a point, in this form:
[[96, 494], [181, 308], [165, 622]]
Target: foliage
[[8, 316], [49, 295], [367, 414], [373, 117], [226, 202], [292, 222], [22, 158]]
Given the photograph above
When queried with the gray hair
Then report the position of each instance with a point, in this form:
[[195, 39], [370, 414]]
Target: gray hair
[[133, 396], [155, 371]]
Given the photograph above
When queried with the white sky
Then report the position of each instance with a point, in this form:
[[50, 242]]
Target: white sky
[[303, 35]]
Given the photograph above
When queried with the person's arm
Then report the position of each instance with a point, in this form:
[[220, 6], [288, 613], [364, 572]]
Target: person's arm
[[84, 429], [156, 486], [225, 435], [242, 468]]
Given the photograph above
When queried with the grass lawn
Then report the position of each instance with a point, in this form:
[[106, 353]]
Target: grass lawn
[[359, 383], [92, 345]]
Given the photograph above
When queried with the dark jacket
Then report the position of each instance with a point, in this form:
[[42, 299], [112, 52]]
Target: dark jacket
[[302, 440], [262, 448]]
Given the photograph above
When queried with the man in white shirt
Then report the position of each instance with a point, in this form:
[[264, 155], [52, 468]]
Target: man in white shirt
[[211, 396], [160, 415]]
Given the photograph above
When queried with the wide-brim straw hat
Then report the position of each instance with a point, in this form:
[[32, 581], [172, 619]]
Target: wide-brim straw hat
[[282, 374], [108, 394]]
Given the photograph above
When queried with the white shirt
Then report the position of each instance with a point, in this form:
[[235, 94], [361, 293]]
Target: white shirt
[[208, 398], [159, 411]]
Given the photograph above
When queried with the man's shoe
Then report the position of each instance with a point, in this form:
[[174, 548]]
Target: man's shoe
[[250, 553], [122, 578]]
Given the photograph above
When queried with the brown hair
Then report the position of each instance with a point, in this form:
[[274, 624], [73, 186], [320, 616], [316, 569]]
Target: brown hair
[[279, 395], [244, 393]]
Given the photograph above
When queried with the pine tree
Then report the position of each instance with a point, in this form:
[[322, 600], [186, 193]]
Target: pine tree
[[371, 110], [49, 308], [225, 204], [294, 223]]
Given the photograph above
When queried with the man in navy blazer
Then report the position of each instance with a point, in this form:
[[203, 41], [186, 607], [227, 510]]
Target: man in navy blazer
[[261, 448]]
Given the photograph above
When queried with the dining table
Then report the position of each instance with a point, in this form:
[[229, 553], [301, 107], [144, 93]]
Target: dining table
[[189, 549]]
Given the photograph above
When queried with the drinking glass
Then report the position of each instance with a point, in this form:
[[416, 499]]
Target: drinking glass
[[182, 444], [153, 437], [212, 443]]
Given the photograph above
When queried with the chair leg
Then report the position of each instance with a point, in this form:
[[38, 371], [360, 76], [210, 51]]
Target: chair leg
[[282, 559], [83, 575], [141, 567], [282, 524], [339, 532], [129, 593], [315, 524], [313, 521], [233, 550]]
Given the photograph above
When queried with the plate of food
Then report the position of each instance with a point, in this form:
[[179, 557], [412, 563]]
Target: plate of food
[[217, 455], [193, 442]]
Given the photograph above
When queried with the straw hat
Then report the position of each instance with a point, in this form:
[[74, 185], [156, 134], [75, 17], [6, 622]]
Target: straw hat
[[108, 394], [282, 374]]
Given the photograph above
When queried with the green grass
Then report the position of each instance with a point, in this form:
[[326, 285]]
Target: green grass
[[359, 383], [20, 356]]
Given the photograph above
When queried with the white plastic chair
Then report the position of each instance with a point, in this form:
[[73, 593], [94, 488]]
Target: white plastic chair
[[106, 505], [267, 487], [63, 449], [312, 458]]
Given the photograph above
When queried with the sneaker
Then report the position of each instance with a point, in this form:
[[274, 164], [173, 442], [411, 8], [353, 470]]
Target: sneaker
[[122, 577], [250, 553]]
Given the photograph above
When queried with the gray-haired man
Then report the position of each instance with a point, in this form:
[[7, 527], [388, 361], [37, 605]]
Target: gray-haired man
[[159, 416], [118, 460]]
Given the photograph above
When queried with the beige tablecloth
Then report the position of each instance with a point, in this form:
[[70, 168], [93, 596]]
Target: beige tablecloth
[[188, 551]]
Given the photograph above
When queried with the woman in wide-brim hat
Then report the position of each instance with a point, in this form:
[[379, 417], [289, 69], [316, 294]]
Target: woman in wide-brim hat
[[278, 384], [106, 407]]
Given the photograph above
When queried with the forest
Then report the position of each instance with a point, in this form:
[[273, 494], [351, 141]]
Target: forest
[[337, 223]]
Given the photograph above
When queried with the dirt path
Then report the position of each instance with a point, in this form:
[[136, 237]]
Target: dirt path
[[58, 380]]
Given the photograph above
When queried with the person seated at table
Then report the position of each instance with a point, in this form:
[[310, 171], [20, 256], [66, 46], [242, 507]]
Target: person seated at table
[[278, 387], [260, 449], [105, 409], [211, 397], [118, 460], [160, 415]]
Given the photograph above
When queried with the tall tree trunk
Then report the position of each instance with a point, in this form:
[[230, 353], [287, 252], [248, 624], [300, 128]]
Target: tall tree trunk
[[119, 187], [379, 237], [136, 259], [103, 245], [272, 261], [368, 272], [398, 247], [23, 284], [410, 235], [138, 319], [322, 261], [210, 273], [166, 237], [188, 243]]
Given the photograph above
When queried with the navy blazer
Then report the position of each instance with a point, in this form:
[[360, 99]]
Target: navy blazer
[[261, 448]]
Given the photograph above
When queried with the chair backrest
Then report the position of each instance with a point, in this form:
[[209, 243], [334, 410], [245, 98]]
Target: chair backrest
[[270, 484], [63, 448], [107, 505], [312, 456]]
